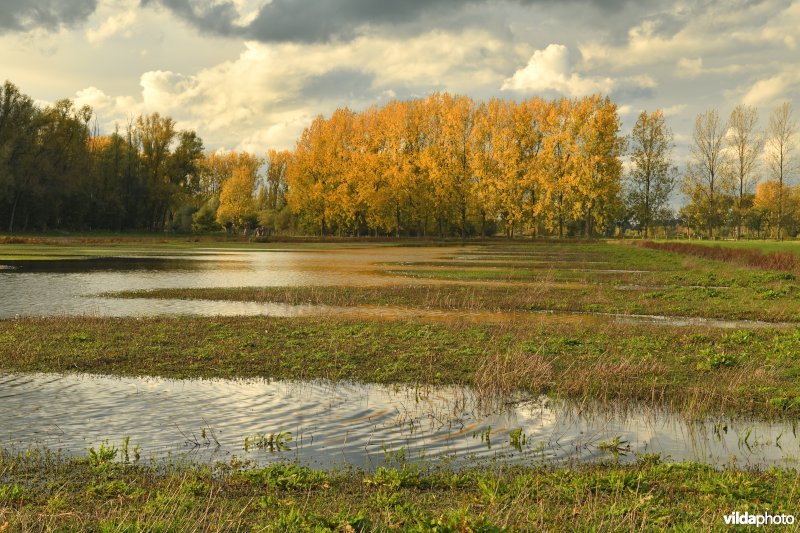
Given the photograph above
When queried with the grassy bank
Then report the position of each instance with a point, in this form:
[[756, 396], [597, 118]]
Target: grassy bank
[[693, 370], [44, 492], [773, 300]]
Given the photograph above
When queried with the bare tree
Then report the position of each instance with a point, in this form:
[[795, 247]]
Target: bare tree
[[707, 173], [745, 144], [780, 153], [652, 176]]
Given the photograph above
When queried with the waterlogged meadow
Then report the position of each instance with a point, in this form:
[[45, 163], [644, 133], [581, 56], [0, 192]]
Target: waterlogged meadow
[[469, 386]]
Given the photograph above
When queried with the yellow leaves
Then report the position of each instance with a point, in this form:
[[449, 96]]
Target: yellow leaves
[[433, 164], [216, 168], [236, 202]]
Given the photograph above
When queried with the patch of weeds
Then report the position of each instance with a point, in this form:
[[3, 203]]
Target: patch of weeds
[[12, 493], [105, 454], [57, 504], [288, 476], [698, 338], [771, 294], [784, 403], [395, 478], [740, 336], [766, 277], [713, 360], [196, 487]]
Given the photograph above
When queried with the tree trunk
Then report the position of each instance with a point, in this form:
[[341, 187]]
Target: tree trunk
[[13, 214]]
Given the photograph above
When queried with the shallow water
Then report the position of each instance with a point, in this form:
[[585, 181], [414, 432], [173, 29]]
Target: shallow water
[[69, 287], [331, 424]]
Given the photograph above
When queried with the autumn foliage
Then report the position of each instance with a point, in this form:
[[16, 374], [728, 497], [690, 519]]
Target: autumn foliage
[[447, 165]]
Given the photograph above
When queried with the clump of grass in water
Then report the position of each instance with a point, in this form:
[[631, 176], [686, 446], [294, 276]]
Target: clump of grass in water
[[274, 442], [616, 446], [518, 439]]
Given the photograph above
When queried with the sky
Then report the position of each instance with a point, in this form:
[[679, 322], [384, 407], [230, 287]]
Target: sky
[[252, 74]]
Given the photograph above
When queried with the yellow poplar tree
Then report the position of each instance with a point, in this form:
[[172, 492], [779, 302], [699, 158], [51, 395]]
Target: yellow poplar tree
[[237, 206]]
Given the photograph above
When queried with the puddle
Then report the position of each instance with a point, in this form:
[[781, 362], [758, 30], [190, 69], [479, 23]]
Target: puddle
[[324, 424]]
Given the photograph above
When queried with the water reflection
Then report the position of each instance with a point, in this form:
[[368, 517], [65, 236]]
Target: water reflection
[[36, 288], [325, 424]]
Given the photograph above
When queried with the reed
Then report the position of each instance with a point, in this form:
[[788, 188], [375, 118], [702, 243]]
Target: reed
[[782, 261]]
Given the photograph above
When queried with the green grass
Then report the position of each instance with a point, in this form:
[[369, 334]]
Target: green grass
[[755, 295], [697, 371], [46, 492]]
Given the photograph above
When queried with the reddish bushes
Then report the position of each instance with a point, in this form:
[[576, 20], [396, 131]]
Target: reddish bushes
[[785, 261]]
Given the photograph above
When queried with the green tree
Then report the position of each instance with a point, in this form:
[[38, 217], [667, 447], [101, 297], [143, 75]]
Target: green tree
[[652, 176]]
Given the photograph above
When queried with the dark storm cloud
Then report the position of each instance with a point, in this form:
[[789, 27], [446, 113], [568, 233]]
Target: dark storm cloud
[[345, 82], [323, 20], [24, 15]]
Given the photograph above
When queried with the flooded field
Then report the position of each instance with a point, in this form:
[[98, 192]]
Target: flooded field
[[544, 291], [76, 284], [71, 286], [325, 424]]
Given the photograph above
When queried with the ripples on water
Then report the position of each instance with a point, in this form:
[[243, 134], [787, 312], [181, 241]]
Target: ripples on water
[[332, 424]]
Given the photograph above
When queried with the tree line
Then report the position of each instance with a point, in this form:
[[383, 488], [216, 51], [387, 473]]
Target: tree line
[[738, 178], [443, 165], [447, 165], [56, 173]]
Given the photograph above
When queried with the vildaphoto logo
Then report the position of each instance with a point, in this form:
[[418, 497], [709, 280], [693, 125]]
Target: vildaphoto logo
[[764, 519]]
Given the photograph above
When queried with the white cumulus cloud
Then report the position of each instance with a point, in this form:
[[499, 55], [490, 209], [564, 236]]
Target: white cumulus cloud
[[271, 91], [551, 70]]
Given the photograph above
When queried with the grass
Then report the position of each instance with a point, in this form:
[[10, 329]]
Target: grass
[[696, 371], [41, 491], [773, 300], [755, 258]]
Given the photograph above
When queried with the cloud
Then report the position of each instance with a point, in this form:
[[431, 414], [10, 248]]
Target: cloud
[[673, 110], [314, 21], [51, 15], [266, 96], [689, 68], [551, 70], [300, 21], [683, 30], [770, 90], [113, 25]]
